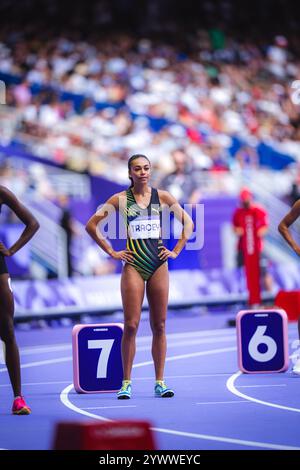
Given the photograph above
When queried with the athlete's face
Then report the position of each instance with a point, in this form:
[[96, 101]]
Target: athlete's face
[[140, 170]]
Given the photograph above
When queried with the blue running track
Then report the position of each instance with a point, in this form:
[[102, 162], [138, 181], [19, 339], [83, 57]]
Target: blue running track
[[215, 407]]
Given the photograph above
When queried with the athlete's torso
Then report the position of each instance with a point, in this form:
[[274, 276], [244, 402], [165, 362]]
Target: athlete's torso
[[144, 233]]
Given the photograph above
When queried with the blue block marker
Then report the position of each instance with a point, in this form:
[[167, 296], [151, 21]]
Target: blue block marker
[[262, 341], [97, 362]]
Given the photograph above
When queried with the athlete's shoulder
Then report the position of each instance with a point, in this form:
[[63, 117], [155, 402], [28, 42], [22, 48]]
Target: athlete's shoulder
[[121, 193], [116, 198], [3, 190], [5, 194], [165, 197]]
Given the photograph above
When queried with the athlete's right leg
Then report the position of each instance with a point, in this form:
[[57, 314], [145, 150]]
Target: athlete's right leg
[[7, 334], [296, 366], [132, 290]]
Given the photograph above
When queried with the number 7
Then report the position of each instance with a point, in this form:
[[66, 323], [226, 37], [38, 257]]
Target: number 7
[[105, 345]]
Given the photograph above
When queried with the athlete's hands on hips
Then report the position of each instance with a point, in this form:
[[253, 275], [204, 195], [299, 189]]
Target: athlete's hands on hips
[[4, 250], [124, 255], [164, 253]]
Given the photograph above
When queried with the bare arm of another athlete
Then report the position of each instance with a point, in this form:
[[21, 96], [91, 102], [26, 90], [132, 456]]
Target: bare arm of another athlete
[[288, 220], [183, 217], [93, 228], [30, 222]]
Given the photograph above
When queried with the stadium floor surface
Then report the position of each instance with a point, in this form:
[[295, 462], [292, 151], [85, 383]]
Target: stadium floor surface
[[215, 407]]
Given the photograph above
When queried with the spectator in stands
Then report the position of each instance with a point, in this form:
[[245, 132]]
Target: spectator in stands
[[22, 94], [247, 157], [182, 183], [294, 194], [261, 226], [209, 85], [97, 263], [277, 56], [67, 223]]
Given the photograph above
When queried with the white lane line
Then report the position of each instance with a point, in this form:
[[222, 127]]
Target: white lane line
[[207, 437], [167, 377], [221, 402], [27, 384], [144, 347], [230, 384], [25, 351], [109, 407], [205, 333], [261, 386], [195, 376], [169, 359], [66, 402], [192, 334], [186, 356], [43, 363], [194, 342], [199, 338], [173, 358], [64, 397], [45, 349]]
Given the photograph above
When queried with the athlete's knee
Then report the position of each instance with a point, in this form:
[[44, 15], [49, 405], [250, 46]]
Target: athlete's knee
[[131, 327], [158, 327]]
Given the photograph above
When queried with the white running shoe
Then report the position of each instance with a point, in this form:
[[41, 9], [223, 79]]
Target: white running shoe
[[296, 367]]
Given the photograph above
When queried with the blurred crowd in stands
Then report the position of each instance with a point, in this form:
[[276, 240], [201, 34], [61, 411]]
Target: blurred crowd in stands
[[90, 83], [88, 100]]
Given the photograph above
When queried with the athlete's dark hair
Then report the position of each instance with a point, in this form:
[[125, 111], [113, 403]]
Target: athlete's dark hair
[[131, 159]]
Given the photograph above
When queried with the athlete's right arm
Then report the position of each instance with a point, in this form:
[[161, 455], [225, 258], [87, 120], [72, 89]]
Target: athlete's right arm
[[288, 220], [31, 224], [93, 228]]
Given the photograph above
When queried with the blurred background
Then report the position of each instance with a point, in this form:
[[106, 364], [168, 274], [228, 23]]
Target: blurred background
[[206, 89]]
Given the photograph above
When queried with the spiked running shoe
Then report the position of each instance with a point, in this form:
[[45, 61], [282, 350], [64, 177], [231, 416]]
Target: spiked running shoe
[[161, 390], [19, 407], [125, 391]]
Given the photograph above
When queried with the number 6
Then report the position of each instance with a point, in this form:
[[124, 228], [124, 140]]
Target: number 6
[[258, 338]]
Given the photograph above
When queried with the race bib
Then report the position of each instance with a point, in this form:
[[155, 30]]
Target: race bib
[[144, 228]]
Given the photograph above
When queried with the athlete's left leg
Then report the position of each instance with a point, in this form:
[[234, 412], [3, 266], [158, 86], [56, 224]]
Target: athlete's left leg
[[7, 334], [157, 293]]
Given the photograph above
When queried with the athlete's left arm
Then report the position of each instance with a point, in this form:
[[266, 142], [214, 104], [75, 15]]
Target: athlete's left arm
[[183, 217], [30, 222], [284, 225]]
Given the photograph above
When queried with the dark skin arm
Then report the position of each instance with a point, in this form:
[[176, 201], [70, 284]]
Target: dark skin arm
[[30, 222], [288, 220]]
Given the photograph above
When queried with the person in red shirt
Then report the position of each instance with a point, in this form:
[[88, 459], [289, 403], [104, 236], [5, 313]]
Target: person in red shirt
[[261, 225]]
